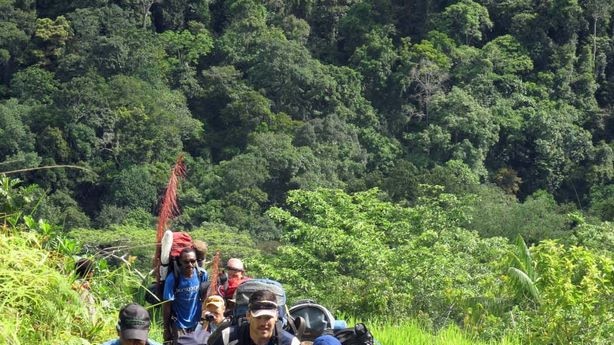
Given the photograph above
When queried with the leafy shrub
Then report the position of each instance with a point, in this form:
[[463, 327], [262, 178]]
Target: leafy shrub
[[539, 217], [576, 288], [363, 256]]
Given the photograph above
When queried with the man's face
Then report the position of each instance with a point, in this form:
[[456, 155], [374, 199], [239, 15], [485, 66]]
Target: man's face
[[234, 274], [218, 313], [188, 262], [261, 328]]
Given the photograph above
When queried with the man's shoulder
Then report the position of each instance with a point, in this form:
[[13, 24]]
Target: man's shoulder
[[111, 342], [202, 274], [288, 338], [169, 281], [225, 336], [169, 286], [116, 342]]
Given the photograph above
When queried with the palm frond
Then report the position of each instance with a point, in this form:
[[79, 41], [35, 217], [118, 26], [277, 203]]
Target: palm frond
[[524, 282], [522, 259], [168, 209]]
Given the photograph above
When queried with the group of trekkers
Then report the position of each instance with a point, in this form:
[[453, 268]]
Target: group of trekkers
[[196, 312], [186, 323]]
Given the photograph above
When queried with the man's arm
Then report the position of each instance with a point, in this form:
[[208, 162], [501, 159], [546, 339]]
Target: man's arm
[[166, 318], [168, 296]]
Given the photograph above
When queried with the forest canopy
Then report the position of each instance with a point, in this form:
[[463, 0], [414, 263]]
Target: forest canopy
[[444, 133]]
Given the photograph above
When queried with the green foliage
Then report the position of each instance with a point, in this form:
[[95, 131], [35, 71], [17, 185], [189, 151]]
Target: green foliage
[[39, 292], [465, 20], [594, 236], [60, 208], [17, 200], [411, 333], [538, 217], [455, 176], [507, 56], [522, 271], [574, 284], [37, 296], [185, 47], [602, 202], [15, 137], [363, 256], [134, 187], [266, 97], [459, 128], [34, 83]]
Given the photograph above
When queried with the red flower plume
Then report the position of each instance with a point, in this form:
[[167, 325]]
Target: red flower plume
[[168, 209]]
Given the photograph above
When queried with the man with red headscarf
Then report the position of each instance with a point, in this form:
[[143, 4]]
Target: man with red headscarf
[[236, 275]]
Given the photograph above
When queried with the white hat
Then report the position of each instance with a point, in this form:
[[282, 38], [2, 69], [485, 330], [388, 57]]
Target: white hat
[[235, 264], [261, 308]]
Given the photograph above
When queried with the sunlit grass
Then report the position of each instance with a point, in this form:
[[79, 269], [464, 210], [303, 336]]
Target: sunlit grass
[[410, 333], [38, 304]]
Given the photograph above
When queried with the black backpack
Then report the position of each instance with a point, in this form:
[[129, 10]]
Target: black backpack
[[357, 335]]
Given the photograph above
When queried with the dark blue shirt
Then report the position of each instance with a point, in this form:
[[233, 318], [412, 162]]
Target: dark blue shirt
[[239, 335]]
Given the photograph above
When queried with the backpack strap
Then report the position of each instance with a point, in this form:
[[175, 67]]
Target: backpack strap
[[199, 271], [278, 330], [345, 335], [244, 338], [203, 286]]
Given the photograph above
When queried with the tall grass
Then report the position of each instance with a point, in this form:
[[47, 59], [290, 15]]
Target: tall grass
[[410, 333], [38, 304]]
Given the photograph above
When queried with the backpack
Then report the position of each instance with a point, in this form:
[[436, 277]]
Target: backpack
[[245, 290], [357, 335], [241, 297], [181, 240], [316, 318]]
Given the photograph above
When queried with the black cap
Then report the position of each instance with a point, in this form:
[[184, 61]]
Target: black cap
[[134, 322]]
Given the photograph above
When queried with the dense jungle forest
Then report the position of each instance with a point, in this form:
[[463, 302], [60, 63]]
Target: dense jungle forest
[[437, 162]]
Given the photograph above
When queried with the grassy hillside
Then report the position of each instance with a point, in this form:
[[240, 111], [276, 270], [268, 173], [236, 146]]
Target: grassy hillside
[[39, 305], [409, 333]]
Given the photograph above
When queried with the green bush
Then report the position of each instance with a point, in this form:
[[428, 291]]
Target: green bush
[[363, 256], [576, 288], [40, 302]]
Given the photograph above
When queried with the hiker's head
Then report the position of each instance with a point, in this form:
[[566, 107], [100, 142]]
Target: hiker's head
[[187, 261], [214, 308], [84, 268], [326, 340], [200, 247], [235, 268], [262, 313], [133, 325]]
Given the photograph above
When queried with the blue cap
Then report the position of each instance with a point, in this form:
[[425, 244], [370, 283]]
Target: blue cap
[[326, 340]]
